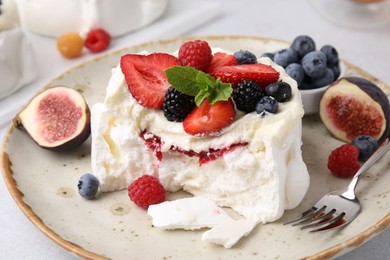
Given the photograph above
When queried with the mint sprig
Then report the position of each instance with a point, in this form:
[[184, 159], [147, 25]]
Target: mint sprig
[[198, 84]]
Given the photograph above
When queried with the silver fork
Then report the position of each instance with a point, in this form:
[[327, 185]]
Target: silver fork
[[338, 208]]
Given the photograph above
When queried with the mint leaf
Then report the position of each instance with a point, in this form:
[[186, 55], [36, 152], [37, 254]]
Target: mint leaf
[[202, 95], [222, 91], [198, 84], [183, 79], [205, 81]]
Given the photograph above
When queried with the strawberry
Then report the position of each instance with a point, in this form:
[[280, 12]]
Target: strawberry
[[261, 73], [221, 59], [208, 119], [145, 78]]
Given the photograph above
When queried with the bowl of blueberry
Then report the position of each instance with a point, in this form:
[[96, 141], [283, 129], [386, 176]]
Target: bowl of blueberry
[[313, 70]]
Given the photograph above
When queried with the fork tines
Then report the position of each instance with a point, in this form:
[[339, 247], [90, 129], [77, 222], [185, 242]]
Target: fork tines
[[319, 219]]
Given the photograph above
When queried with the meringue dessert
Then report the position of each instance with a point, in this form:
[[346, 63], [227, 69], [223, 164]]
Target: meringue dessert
[[252, 165]]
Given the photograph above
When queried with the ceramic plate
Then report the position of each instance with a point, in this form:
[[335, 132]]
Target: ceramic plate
[[44, 185]]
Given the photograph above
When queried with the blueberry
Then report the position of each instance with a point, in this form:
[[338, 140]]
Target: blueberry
[[324, 80], [268, 55], [267, 104], [285, 57], [88, 186], [331, 54], [366, 144], [281, 91], [314, 64], [295, 71], [302, 45], [245, 57], [306, 84], [336, 71]]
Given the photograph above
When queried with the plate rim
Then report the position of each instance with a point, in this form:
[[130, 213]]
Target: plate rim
[[17, 195]]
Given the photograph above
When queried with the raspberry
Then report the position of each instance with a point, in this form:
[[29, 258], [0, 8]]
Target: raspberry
[[343, 161], [97, 40], [145, 191], [70, 45], [196, 54]]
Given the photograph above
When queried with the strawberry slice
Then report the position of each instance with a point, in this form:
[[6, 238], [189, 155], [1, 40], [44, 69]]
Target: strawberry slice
[[207, 119], [221, 59], [145, 78], [261, 73]]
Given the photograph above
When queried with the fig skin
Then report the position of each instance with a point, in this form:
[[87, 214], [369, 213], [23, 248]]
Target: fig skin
[[378, 99], [29, 119]]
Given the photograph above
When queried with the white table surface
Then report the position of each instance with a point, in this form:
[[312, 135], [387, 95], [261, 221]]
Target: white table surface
[[283, 19]]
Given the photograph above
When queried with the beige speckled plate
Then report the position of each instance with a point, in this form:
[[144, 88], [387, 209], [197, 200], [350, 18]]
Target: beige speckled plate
[[44, 185]]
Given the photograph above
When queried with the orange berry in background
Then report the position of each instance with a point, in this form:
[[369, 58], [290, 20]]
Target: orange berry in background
[[70, 45]]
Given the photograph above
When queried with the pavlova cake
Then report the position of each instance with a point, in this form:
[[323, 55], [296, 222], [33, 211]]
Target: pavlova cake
[[17, 60], [221, 126]]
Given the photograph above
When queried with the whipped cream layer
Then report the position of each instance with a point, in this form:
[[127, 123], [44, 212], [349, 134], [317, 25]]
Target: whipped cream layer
[[117, 17], [259, 179]]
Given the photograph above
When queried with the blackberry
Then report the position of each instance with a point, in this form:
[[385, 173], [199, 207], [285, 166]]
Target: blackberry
[[246, 95], [177, 105]]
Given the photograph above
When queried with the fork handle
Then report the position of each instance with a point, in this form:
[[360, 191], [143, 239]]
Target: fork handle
[[383, 148]]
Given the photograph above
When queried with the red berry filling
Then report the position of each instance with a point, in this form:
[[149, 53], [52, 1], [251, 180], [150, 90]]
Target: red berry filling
[[211, 154], [155, 143]]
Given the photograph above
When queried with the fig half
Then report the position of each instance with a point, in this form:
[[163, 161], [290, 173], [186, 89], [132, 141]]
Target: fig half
[[57, 119], [354, 106]]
